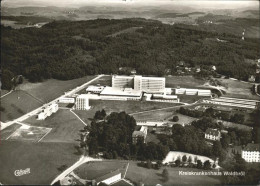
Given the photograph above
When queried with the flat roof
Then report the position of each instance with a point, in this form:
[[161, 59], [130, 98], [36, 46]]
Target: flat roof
[[121, 92], [83, 96]]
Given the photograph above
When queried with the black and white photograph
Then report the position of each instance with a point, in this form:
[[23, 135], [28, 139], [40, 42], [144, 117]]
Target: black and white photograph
[[130, 92]]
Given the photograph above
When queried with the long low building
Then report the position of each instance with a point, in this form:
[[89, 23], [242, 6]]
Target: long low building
[[95, 89], [151, 123], [234, 102], [110, 93], [191, 92], [66, 100]]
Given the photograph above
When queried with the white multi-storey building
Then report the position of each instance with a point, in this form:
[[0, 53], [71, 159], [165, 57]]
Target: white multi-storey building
[[251, 153], [82, 102], [122, 81], [139, 83], [47, 111]]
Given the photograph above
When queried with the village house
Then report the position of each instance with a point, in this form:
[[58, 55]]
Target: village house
[[212, 134]]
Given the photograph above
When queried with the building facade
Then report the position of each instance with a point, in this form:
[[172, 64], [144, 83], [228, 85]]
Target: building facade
[[139, 83], [82, 102], [212, 134], [140, 134], [47, 111], [251, 153]]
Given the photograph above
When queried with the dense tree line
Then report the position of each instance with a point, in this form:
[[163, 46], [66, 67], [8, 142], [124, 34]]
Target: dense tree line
[[66, 50], [234, 136], [210, 112]]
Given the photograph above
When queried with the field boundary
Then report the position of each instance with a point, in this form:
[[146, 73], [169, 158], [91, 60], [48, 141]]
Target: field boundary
[[78, 117], [45, 134], [7, 93]]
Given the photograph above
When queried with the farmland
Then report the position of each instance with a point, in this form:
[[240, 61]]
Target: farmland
[[52, 88], [43, 159], [17, 104]]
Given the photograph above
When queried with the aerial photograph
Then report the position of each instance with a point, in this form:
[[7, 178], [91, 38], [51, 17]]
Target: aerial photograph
[[130, 92]]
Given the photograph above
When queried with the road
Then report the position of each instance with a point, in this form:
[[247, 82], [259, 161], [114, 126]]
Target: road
[[83, 159], [34, 112]]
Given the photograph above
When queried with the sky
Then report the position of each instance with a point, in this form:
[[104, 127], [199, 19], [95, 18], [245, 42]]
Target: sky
[[224, 4]]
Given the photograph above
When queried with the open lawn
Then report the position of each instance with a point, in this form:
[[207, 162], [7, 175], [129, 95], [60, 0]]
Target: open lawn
[[52, 88], [119, 106], [43, 159], [164, 114], [65, 126], [138, 174], [17, 104], [3, 92], [92, 170], [8, 131], [183, 82], [238, 89]]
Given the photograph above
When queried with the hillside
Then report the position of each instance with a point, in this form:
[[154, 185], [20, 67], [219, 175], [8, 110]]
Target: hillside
[[67, 50]]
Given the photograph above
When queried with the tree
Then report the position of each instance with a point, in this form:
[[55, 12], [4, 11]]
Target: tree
[[177, 163], [175, 118], [199, 164], [190, 160], [184, 158], [148, 164], [158, 164], [207, 165], [225, 141], [165, 175], [7, 79], [217, 148]]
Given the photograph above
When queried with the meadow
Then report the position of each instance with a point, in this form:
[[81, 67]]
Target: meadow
[[92, 170], [65, 126], [17, 104], [43, 159]]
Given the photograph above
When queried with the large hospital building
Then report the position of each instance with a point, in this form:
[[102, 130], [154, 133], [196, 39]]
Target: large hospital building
[[139, 83]]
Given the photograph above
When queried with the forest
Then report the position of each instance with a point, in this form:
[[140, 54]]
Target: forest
[[72, 49]]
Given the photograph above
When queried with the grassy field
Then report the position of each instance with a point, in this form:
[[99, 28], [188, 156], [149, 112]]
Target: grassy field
[[17, 104], [119, 106], [43, 159], [8, 131], [92, 170], [65, 126], [238, 89], [3, 92], [152, 177], [183, 82], [164, 114], [52, 88]]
